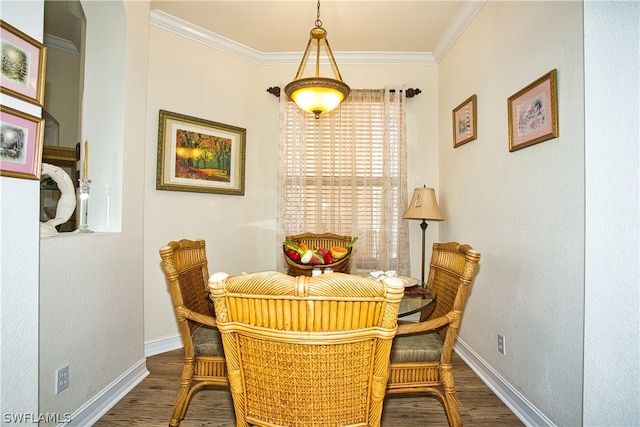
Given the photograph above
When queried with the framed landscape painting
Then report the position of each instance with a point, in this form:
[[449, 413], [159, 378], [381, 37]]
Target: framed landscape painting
[[21, 138], [533, 113], [199, 155], [23, 65]]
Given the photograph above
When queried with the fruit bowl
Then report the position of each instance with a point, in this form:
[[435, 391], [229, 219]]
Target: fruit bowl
[[298, 269], [326, 241]]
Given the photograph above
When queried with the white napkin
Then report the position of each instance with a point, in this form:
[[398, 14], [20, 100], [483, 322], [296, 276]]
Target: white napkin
[[381, 275]]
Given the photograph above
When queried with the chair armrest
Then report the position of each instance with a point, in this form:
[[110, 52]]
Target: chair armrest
[[197, 317], [428, 325]]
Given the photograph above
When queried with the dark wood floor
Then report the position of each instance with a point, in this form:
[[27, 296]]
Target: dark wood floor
[[151, 402]]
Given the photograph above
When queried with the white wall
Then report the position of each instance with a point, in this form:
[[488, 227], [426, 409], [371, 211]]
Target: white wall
[[19, 238], [612, 288], [524, 211], [240, 230], [207, 84], [92, 284]]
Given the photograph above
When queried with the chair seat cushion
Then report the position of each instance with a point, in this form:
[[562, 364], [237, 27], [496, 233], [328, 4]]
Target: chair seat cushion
[[207, 342], [424, 347]]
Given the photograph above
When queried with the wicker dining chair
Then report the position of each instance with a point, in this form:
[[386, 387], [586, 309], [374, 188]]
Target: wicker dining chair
[[185, 266], [421, 352], [305, 351]]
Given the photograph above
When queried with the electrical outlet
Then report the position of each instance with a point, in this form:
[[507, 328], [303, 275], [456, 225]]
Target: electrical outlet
[[501, 344], [62, 379]]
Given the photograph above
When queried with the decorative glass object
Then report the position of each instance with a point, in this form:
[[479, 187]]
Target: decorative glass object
[[84, 189]]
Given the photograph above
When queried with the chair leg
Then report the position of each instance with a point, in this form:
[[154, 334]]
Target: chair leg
[[184, 395], [450, 400]]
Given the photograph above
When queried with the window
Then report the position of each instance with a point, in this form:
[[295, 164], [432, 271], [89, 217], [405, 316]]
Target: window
[[345, 173]]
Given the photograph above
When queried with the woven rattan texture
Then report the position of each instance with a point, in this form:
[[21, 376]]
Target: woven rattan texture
[[326, 240], [185, 267], [304, 350], [451, 273], [195, 294], [334, 392]]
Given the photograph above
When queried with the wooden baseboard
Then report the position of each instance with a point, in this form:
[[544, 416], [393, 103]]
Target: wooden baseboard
[[512, 398]]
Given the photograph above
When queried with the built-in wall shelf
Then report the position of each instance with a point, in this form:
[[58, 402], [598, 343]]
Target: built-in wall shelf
[[65, 158]]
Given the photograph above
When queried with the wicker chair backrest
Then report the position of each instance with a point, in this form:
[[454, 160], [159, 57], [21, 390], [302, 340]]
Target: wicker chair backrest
[[326, 240], [451, 272], [185, 264], [307, 350]]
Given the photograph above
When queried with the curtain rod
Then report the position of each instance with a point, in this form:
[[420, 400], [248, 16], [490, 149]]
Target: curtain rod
[[275, 91]]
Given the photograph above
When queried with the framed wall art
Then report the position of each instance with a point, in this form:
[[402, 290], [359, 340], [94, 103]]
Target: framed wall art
[[464, 122], [23, 65], [21, 138], [199, 155], [533, 113]]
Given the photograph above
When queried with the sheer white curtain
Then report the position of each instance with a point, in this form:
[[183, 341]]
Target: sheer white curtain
[[345, 173]]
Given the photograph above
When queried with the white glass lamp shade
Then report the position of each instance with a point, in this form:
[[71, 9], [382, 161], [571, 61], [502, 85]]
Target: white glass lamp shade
[[317, 95]]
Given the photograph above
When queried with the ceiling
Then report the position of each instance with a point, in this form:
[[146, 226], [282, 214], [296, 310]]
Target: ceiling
[[283, 26], [352, 25]]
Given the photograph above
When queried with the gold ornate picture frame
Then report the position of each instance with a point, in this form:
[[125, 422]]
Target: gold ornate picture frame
[[21, 148], [465, 122], [23, 65], [533, 113], [198, 155]]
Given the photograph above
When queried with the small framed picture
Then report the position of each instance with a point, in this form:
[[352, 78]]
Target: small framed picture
[[21, 138], [199, 155], [533, 113], [23, 65], [464, 122]]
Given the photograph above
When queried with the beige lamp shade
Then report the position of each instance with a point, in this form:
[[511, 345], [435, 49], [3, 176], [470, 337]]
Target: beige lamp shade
[[424, 205]]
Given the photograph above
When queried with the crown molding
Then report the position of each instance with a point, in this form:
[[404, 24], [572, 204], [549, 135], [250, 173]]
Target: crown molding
[[354, 58], [385, 58], [467, 12], [64, 45], [185, 29]]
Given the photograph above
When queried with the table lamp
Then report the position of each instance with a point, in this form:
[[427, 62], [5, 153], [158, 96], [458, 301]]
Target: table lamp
[[423, 206]]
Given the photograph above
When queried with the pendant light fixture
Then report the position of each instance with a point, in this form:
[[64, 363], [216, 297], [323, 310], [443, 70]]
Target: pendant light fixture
[[317, 94]]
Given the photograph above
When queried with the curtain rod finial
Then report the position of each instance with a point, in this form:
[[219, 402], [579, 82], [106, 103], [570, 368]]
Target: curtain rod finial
[[413, 92], [275, 91]]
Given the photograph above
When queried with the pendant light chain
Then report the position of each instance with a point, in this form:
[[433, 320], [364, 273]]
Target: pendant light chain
[[317, 40], [318, 21]]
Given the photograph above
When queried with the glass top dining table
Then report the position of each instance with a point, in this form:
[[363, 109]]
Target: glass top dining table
[[418, 301], [417, 304]]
